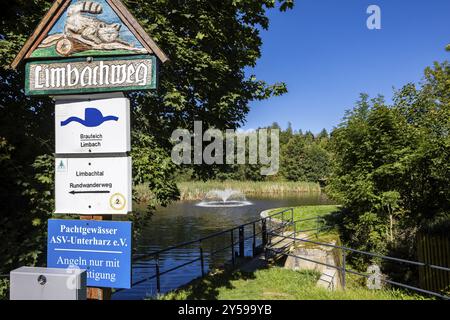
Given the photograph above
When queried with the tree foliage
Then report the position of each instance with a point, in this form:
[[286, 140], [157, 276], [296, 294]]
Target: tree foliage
[[303, 157], [209, 43], [391, 165]]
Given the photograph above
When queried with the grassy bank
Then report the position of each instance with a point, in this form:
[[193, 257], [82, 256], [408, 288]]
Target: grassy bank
[[308, 213], [196, 190], [277, 283]]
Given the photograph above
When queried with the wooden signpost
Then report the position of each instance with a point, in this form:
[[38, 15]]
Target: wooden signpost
[[85, 53]]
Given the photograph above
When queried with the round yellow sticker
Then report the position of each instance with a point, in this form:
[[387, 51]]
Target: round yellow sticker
[[117, 201]]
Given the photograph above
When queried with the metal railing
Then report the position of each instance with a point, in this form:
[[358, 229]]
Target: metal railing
[[236, 243], [344, 250], [270, 228]]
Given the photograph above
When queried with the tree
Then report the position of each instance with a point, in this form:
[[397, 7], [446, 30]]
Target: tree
[[323, 134], [292, 154], [365, 147], [210, 43], [286, 135], [391, 165], [316, 163], [304, 158]]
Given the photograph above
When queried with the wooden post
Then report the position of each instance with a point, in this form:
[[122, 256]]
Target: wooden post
[[98, 293]]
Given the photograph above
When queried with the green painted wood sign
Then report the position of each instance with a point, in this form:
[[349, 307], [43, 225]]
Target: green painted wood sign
[[79, 75], [86, 46]]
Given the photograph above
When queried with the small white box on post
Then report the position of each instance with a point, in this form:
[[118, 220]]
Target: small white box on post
[[28, 283]]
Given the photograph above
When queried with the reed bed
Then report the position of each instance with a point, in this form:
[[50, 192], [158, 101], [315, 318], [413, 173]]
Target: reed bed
[[196, 190]]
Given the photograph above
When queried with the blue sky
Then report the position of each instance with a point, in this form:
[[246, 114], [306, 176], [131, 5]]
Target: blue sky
[[325, 53]]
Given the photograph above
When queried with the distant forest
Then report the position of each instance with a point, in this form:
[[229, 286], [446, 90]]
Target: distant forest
[[303, 157]]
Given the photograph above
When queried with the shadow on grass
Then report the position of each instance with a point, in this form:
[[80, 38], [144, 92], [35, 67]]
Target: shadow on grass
[[208, 288]]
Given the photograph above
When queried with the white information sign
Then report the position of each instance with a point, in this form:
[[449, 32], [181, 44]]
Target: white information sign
[[93, 186], [92, 126]]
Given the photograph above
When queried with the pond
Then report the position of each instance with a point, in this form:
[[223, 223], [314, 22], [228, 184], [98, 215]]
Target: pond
[[184, 221]]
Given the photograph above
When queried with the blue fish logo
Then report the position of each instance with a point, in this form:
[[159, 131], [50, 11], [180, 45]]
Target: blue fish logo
[[92, 118]]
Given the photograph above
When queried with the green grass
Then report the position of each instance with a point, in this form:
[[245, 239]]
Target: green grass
[[308, 212], [326, 235], [196, 190], [277, 283]]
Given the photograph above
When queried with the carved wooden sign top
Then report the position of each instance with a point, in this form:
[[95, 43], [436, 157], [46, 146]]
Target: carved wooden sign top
[[86, 46], [89, 28]]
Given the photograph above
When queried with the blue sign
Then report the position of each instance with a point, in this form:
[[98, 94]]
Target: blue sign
[[92, 118], [103, 248]]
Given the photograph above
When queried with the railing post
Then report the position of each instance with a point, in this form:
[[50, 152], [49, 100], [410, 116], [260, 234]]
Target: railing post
[[202, 259], [232, 248], [317, 226], [344, 269], [269, 234], [294, 223], [158, 276], [264, 232], [254, 240], [241, 242]]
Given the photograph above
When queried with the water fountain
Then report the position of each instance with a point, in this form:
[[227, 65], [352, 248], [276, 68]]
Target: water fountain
[[224, 198]]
